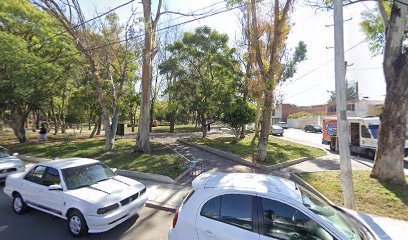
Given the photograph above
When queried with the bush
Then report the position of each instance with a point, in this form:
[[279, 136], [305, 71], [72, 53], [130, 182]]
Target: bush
[[238, 114], [298, 115]]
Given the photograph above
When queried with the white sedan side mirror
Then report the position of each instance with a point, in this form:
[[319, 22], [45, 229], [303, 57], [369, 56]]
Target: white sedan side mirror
[[55, 188], [15, 154]]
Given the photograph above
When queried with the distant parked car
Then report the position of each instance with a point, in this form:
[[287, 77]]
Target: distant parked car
[[250, 127], [84, 191], [313, 128], [277, 130], [245, 206], [284, 125], [9, 164]]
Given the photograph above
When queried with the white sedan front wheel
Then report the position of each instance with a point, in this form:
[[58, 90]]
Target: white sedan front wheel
[[19, 206], [76, 224]]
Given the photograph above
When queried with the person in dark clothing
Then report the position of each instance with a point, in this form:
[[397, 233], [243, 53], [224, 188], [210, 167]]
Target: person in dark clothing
[[43, 134]]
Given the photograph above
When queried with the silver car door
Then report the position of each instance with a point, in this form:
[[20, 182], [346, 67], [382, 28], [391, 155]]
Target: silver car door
[[227, 217]]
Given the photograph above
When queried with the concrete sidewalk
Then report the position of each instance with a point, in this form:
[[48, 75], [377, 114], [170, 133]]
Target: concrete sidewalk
[[165, 196]]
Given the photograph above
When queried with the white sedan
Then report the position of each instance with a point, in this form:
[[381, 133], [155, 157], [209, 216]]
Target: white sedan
[[241, 206], [84, 191], [9, 164]]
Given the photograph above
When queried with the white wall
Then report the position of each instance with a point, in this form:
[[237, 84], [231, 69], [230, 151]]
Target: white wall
[[300, 123]]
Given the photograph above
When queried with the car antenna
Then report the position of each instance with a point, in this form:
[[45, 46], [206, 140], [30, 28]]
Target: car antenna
[[293, 179]]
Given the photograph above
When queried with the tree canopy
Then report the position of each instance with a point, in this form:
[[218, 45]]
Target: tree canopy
[[206, 73]]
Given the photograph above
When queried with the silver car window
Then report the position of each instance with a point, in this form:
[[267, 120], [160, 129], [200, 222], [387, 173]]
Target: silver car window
[[285, 222]]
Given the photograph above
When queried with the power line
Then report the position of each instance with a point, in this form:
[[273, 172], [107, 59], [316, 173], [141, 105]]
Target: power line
[[364, 69], [190, 14], [87, 21], [160, 29], [322, 65], [308, 89]]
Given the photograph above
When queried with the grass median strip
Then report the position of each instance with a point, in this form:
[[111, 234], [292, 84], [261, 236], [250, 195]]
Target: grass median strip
[[279, 151], [372, 197], [160, 160]]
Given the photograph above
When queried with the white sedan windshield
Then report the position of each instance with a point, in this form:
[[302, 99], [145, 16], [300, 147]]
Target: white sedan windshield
[[86, 175]]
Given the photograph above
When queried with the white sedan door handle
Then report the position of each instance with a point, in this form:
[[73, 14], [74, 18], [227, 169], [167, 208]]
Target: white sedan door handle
[[209, 233]]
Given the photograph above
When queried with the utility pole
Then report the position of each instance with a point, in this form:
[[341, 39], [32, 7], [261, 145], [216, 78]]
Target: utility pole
[[341, 106]]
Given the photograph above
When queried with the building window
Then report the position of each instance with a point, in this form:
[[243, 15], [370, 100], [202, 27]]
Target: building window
[[351, 107]]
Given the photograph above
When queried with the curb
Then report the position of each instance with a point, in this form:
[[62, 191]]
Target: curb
[[162, 207], [295, 178], [181, 176], [146, 176], [32, 159], [238, 159]]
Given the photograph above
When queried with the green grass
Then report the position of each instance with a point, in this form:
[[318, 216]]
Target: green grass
[[160, 160], [278, 150], [372, 197], [183, 128]]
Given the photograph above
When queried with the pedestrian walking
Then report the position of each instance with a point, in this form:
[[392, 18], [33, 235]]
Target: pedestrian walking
[[43, 134]]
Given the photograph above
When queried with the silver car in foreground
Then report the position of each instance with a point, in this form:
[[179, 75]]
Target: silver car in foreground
[[9, 164], [247, 206]]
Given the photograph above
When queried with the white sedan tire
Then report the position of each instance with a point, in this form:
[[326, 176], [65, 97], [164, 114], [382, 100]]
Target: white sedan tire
[[76, 224], [19, 206]]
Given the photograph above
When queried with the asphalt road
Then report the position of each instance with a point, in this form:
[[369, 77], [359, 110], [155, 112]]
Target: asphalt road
[[313, 139], [151, 225]]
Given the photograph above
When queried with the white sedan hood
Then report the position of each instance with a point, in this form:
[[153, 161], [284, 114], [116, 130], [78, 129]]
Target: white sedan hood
[[108, 192], [10, 162], [385, 228]]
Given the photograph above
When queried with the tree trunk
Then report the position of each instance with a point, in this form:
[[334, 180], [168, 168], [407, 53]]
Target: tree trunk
[[89, 119], [196, 119], [110, 132], [54, 116], [265, 126], [17, 124], [389, 163], [151, 115], [98, 131], [204, 128], [1, 121], [142, 139], [172, 121], [37, 119], [62, 115], [94, 130], [132, 121], [257, 117]]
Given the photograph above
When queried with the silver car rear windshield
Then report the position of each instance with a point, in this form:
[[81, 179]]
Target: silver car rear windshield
[[86, 175]]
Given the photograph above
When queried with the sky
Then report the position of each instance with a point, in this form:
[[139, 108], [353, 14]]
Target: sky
[[314, 76]]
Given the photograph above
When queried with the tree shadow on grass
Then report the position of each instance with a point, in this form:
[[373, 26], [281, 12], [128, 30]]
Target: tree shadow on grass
[[160, 160], [400, 191]]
